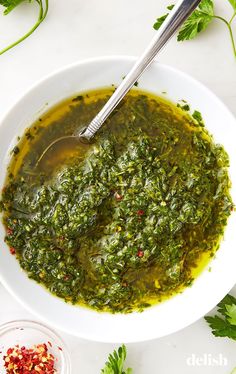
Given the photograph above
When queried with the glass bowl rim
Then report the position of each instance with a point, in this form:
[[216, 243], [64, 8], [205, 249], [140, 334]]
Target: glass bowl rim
[[36, 325]]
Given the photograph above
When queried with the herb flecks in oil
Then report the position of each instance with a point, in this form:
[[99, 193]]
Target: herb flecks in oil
[[128, 221]]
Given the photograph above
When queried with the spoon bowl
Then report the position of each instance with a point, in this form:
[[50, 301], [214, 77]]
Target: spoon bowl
[[181, 11], [58, 152]]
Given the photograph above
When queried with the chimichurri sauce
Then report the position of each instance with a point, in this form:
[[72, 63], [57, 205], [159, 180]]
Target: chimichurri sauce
[[125, 222]]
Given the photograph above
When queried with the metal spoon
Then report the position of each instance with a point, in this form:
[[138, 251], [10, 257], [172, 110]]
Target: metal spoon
[[176, 18]]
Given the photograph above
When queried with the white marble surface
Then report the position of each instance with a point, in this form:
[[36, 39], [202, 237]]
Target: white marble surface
[[77, 29]]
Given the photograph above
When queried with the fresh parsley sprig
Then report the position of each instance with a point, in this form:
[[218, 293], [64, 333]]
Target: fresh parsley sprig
[[115, 362], [200, 20], [12, 4], [224, 325]]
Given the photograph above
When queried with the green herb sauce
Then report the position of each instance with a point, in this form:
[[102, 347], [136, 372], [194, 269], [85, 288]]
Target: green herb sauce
[[125, 222]]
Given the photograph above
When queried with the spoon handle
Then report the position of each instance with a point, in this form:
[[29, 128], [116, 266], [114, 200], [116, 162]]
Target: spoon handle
[[176, 18]]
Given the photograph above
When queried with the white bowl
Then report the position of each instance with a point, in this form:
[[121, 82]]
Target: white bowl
[[208, 289]]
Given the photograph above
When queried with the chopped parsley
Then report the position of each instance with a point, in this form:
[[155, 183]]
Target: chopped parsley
[[125, 222]]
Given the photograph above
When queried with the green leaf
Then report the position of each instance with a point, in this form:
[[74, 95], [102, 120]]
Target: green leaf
[[231, 313], [115, 363], [221, 327], [11, 4], [233, 3], [225, 327], [161, 19], [207, 6], [198, 21], [227, 300]]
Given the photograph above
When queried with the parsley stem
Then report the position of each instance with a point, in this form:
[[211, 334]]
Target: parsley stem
[[232, 18], [232, 39], [42, 14], [228, 24]]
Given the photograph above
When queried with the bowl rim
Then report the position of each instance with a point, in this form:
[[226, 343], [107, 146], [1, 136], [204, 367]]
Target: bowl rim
[[115, 59], [91, 60]]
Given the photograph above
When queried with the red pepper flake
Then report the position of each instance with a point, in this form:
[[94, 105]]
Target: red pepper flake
[[35, 360], [140, 253], [9, 351], [50, 344], [60, 349], [118, 197], [140, 212], [9, 231], [12, 251]]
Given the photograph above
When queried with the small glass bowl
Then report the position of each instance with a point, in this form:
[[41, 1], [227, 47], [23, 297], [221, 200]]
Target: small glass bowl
[[29, 333]]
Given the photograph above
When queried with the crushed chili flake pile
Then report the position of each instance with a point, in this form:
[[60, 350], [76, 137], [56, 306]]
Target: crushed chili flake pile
[[35, 360]]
